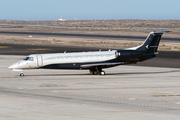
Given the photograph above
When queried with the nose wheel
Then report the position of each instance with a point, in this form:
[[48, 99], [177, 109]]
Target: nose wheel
[[21, 74]]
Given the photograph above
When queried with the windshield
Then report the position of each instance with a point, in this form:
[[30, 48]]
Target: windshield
[[28, 58]]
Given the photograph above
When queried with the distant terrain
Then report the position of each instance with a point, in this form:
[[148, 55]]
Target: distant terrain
[[107, 27], [123, 27]]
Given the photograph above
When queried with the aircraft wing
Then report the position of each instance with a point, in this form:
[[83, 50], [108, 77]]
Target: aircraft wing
[[101, 64]]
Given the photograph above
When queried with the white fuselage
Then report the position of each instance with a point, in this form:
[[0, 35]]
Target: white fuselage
[[39, 60], [80, 57]]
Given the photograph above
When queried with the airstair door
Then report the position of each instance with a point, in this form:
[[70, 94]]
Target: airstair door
[[39, 60]]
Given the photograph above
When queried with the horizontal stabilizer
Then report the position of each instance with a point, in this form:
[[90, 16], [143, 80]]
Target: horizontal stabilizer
[[160, 32]]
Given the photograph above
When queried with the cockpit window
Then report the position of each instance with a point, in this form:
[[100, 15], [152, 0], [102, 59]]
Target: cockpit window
[[29, 58], [26, 58]]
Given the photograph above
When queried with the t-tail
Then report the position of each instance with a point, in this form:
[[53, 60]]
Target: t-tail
[[151, 43]]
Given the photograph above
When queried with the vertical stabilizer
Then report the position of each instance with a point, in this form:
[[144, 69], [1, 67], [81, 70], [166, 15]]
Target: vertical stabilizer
[[151, 43]]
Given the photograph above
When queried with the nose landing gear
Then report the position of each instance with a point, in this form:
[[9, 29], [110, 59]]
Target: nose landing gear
[[21, 74]]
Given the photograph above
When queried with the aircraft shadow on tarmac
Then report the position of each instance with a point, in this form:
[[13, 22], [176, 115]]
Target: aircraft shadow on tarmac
[[143, 72], [128, 73]]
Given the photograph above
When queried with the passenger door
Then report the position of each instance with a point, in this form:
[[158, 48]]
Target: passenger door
[[39, 60]]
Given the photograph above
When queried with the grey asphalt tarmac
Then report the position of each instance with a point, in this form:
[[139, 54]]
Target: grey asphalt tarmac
[[124, 93]]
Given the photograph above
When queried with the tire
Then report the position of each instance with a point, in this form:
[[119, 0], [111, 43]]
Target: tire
[[21, 74], [95, 72], [102, 73]]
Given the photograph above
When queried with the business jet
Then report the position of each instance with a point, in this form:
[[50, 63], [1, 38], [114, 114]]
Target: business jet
[[92, 61]]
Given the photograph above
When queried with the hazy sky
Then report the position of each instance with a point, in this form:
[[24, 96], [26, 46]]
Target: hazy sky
[[89, 9]]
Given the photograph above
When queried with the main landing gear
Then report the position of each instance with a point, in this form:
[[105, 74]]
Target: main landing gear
[[97, 71]]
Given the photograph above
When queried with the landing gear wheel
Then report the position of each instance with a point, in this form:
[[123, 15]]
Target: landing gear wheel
[[21, 74], [102, 73], [95, 72], [91, 72]]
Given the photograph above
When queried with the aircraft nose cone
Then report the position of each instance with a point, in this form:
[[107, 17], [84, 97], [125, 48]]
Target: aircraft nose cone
[[13, 66]]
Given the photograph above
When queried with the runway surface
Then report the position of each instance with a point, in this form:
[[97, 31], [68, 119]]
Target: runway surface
[[126, 92], [145, 91], [164, 58], [91, 36]]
